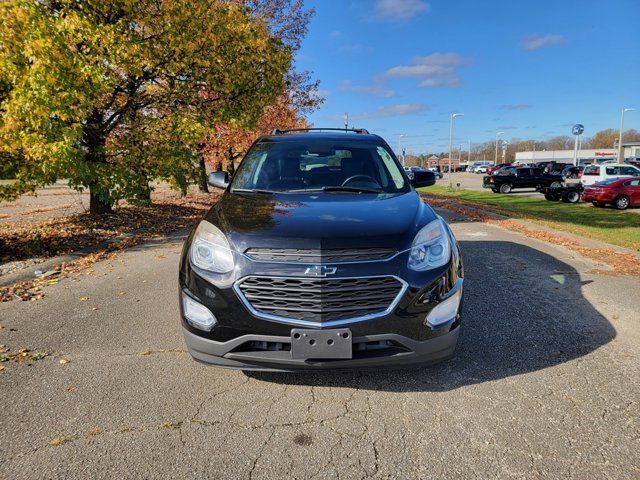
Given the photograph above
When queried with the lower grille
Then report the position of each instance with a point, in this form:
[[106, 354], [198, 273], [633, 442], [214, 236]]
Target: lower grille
[[300, 255], [320, 300]]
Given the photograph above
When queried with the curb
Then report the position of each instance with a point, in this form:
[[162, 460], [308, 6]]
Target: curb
[[27, 273]]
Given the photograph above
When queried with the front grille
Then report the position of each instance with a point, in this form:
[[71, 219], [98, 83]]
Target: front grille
[[320, 300], [302, 255]]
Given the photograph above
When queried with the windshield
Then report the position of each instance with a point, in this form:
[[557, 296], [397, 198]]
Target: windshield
[[317, 164]]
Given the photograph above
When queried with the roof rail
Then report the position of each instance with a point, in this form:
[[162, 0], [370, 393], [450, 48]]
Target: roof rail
[[278, 131]]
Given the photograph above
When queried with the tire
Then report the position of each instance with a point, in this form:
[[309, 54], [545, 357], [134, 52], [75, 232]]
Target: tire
[[555, 184], [572, 197], [621, 202], [505, 188]]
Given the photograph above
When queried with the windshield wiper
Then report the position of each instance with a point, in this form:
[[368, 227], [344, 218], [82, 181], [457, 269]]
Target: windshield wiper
[[253, 190], [338, 189]]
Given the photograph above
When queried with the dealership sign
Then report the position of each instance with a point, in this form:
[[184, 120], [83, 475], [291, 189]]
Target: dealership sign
[[605, 154]]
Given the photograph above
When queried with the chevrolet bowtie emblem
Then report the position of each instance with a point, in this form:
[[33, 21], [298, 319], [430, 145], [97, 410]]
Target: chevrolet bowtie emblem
[[320, 271]]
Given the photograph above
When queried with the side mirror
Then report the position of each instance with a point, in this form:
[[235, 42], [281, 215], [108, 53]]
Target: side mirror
[[219, 179], [423, 179]]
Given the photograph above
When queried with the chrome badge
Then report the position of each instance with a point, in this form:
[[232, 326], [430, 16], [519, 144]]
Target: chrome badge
[[320, 271]]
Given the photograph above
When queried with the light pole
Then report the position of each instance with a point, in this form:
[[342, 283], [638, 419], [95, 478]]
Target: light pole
[[469, 156], [620, 148], [346, 121], [495, 159], [399, 149], [453, 115]]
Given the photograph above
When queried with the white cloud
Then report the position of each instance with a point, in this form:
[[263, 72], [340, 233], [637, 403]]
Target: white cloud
[[385, 111], [534, 42], [516, 106], [399, 10], [354, 48], [435, 70], [374, 90]]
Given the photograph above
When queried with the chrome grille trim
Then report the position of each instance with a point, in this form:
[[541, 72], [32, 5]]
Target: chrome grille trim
[[321, 256], [385, 308]]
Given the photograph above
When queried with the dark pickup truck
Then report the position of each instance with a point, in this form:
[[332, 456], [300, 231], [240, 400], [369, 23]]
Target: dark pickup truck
[[520, 177]]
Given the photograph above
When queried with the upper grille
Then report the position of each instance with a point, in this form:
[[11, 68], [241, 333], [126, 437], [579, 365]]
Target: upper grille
[[320, 300], [302, 255]]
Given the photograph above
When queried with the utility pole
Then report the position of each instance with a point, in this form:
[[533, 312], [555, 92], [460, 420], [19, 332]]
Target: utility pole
[[400, 149], [495, 158], [620, 148], [346, 121], [452, 116]]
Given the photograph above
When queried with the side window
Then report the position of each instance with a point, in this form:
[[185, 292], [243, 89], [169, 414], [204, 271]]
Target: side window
[[629, 171], [632, 183], [613, 170], [396, 176]]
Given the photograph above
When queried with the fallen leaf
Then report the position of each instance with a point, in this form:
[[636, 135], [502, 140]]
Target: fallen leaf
[[84, 299], [64, 361]]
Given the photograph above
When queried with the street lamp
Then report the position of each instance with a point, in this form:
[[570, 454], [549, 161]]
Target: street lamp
[[346, 121], [399, 149], [495, 159], [453, 115], [620, 149]]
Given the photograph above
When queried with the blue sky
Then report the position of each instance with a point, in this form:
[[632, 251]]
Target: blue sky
[[528, 68]]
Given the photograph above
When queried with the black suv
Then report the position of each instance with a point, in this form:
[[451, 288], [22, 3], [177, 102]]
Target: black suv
[[320, 254], [508, 178]]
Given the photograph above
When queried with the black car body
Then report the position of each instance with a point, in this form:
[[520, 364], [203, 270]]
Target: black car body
[[317, 270], [510, 178]]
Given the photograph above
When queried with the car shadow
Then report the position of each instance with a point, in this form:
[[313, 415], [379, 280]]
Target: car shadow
[[523, 311]]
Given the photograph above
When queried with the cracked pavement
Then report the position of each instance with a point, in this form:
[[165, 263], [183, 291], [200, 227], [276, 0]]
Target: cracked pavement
[[544, 383]]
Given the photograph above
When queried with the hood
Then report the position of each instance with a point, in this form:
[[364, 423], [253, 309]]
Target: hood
[[320, 220]]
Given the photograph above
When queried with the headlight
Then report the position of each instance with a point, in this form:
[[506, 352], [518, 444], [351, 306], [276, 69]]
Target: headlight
[[431, 248], [210, 249]]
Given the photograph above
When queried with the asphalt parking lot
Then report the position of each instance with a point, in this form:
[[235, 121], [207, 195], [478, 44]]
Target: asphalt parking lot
[[544, 383]]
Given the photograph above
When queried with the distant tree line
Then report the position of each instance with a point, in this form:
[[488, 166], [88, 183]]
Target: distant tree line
[[486, 150]]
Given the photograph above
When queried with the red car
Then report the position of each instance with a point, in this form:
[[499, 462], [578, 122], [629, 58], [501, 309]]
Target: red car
[[619, 192], [495, 168]]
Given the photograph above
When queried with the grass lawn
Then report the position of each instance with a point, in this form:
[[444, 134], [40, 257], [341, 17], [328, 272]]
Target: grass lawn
[[606, 224]]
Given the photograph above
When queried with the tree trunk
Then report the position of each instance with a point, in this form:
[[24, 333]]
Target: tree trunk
[[97, 205], [202, 176], [143, 196]]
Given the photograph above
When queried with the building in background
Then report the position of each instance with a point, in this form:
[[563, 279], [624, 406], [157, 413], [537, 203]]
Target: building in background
[[597, 155]]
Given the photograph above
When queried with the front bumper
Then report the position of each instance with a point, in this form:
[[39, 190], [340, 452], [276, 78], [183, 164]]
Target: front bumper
[[406, 352], [402, 330]]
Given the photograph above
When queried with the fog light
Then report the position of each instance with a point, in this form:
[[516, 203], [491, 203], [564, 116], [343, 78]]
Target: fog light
[[445, 312], [197, 315]]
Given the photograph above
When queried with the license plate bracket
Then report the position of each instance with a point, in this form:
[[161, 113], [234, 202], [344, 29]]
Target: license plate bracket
[[332, 344]]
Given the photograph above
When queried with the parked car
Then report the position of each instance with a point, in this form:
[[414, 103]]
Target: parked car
[[567, 193], [481, 169], [596, 173], [572, 172], [474, 165], [435, 171], [509, 178], [619, 192], [320, 254], [408, 171], [494, 168]]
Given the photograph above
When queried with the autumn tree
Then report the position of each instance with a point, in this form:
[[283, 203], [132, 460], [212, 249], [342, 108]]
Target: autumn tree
[[225, 143], [111, 94]]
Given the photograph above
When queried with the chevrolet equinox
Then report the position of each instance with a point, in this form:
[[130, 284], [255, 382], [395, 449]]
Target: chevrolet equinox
[[320, 254]]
